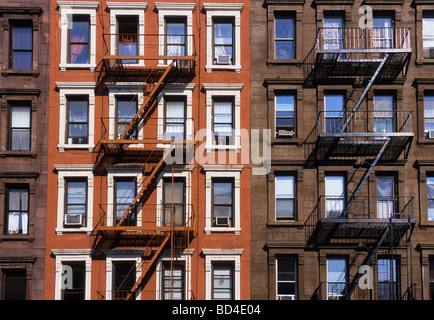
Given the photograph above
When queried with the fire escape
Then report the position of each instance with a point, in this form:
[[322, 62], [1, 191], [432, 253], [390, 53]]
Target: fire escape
[[137, 138], [363, 138]]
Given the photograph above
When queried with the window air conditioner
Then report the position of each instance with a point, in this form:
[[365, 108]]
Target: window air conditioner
[[431, 134], [76, 140], [285, 133], [223, 59], [73, 219], [222, 221]]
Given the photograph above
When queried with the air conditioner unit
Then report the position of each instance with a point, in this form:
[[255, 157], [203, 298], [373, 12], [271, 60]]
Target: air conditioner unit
[[73, 219], [431, 134], [285, 133], [286, 297], [223, 59], [222, 221], [222, 140]]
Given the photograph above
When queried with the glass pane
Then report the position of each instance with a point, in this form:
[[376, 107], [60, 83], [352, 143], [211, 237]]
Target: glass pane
[[428, 26], [286, 269], [20, 139], [79, 53], [76, 209], [429, 106], [222, 112], [125, 191], [22, 38], [285, 103], [284, 186], [334, 186], [77, 130], [430, 185], [222, 211], [127, 109], [284, 208], [76, 192], [178, 191], [18, 199], [222, 192], [286, 288], [336, 270], [22, 60], [334, 105], [385, 187], [383, 103], [284, 28], [20, 117], [78, 110], [79, 32], [284, 49], [223, 33], [431, 210]]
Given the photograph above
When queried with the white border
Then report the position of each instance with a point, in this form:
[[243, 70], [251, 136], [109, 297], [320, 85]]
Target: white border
[[67, 9], [76, 88]]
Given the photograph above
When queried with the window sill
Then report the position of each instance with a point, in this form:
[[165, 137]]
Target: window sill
[[16, 237], [296, 141], [236, 68], [11, 72], [14, 153], [62, 147], [424, 61], [297, 62], [90, 66], [61, 231], [285, 223], [209, 148], [210, 230]]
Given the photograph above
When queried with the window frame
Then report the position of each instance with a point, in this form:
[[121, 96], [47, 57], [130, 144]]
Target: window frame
[[8, 188], [294, 198], [231, 205], [345, 281], [295, 281], [112, 257], [72, 171], [289, 15], [81, 18], [67, 9], [292, 94], [430, 176], [165, 201], [175, 98], [231, 100], [12, 50], [68, 122], [166, 264], [223, 10], [67, 204], [231, 268], [19, 103]]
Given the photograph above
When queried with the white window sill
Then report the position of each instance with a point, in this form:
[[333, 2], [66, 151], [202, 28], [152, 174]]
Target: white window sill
[[210, 230], [236, 68], [61, 231], [90, 66], [222, 147], [62, 147]]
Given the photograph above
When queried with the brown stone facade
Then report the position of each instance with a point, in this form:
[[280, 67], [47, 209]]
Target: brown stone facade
[[24, 59], [283, 242]]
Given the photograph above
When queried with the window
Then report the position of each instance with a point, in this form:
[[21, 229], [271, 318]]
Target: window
[[126, 110], [385, 197], [14, 284], [125, 189], [431, 277], [428, 34], [21, 45], [430, 192], [334, 112], [223, 40], [76, 289], [286, 278], [176, 30], [384, 106], [222, 281], [223, 121], [333, 33], [76, 202], [78, 109], [285, 197], [382, 31], [173, 281], [127, 37], [284, 36], [174, 201], [78, 40], [336, 278], [17, 209], [222, 203], [20, 124], [174, 128], [334, 195], [388, 275], [124, 278], [285, 114], [429, 114]]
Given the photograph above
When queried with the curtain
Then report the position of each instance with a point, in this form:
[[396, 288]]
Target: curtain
[[385, 202], [20, 125], [18, 211], [79, 41]]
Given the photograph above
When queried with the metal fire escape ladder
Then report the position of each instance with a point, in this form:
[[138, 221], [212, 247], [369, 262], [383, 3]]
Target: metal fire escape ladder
[[150, 99]]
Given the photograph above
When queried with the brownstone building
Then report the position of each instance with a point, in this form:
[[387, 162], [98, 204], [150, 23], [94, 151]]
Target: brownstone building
[[24, 53], [346, 209]]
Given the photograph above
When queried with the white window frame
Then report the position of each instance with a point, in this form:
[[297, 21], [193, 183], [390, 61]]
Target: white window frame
[[128, 9], [123, 89], [294, 198], [165, 10], [121, 171], [176, 89], [67, 9], [121, 255], [72, 255], [74, 171], [166, 257], [222, 171], [222, 255], [186, 174], [78, 89], [223, 90], [225, 10]]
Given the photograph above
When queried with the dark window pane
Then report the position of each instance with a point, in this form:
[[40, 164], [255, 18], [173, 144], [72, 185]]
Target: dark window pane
[[22, 60], [77, 192], [14, 284], [79, 39], [222, 192]]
